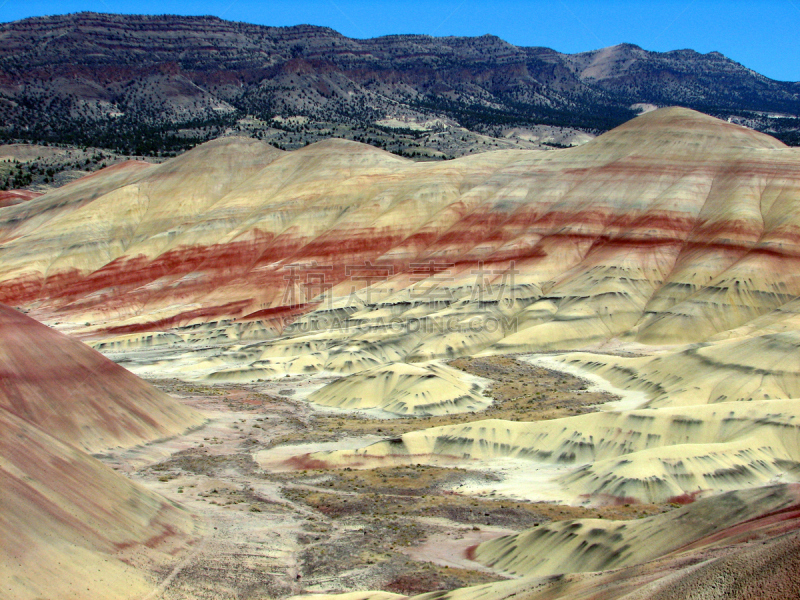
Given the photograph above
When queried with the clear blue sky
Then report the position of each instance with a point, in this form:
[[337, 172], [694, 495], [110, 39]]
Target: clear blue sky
[[763, 35]]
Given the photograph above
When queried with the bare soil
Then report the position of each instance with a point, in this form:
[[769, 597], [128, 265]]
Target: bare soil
[[400, 529]]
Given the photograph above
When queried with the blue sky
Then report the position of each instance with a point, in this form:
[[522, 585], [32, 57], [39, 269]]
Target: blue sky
[[762, 34]]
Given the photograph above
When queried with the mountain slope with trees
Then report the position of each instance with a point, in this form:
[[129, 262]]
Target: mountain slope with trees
[[160, 84]]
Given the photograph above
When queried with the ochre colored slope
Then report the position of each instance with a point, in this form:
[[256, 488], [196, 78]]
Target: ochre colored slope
[[698, 552], [404, 389], [21, 219], [750, 367], [584, 545]]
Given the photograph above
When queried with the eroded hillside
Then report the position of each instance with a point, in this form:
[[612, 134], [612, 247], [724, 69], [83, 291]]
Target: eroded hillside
[[510, 369]]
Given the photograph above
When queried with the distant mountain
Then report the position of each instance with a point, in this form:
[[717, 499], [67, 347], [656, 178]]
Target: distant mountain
[[159, 83]]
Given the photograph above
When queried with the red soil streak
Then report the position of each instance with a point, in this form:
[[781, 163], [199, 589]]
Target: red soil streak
[[126, 272], [167, 532], [259, 262], [775, 253], [22, 290], [181, 319], [770, 524], [306, 463], [684, 499], [469, 553], [14, 197], [784, 514], [280, 312], [136, 271]]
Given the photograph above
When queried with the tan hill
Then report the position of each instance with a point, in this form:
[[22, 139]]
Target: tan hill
[[20, 219], [642, 232], [738, 546], [639, 455], [586, 545], [404, 389]]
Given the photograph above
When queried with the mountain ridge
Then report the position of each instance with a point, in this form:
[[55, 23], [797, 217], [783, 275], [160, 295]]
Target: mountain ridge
[[161, 83]]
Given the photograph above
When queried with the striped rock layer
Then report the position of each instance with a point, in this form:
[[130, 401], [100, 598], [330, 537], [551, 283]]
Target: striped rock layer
[[647, 233]]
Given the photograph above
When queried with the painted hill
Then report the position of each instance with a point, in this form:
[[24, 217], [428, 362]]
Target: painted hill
[[673, 236], [77, 395], [640, 455], [586, 545], [643, 233], [67, 521], [238, 261], [404, 389], [695, 552]]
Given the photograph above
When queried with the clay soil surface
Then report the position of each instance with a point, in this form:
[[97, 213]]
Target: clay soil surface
[[400, 529]]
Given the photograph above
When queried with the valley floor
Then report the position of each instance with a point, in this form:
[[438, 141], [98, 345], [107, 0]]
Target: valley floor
[[275, 531]]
